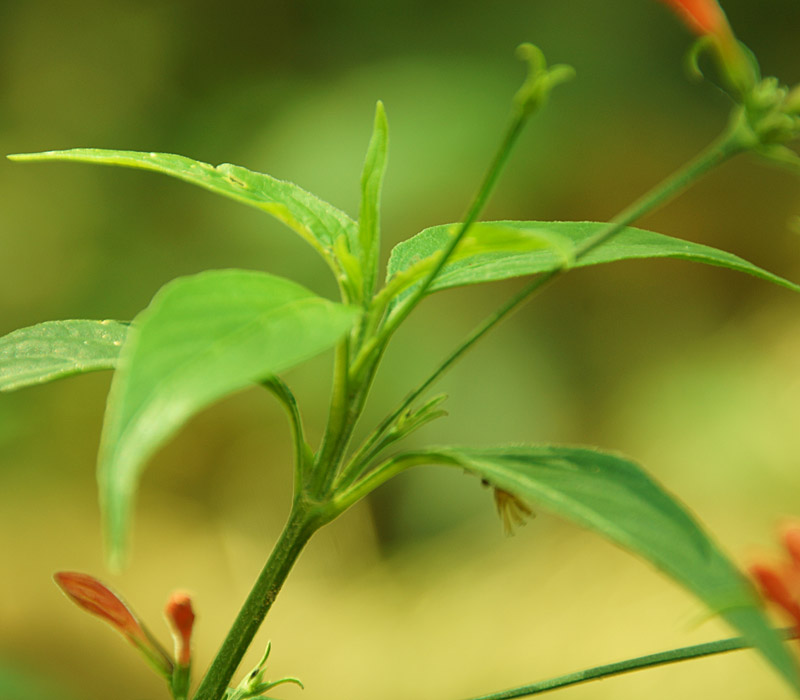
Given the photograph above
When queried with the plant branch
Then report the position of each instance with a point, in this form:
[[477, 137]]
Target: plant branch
[[726, 146], [608, 670], [531, 97], [302, 523]]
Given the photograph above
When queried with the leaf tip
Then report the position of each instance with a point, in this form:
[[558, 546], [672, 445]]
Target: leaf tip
[[381, 124], [39, 155], [115, 538]]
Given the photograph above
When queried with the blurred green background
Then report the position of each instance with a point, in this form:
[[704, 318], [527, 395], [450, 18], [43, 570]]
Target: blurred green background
[[417, 593]]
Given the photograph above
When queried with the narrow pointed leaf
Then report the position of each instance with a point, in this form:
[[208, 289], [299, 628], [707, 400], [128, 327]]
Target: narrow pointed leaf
[[369, 214], [530, 247], [617, 499], [57, 349], [201, 338], [318, 222]]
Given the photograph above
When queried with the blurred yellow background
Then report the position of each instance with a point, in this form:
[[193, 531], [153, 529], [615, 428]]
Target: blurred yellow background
[[691, 371]]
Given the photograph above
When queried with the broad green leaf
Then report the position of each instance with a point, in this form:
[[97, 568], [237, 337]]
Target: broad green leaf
[[318, 222], [529, 247], [369, 213], [57, 349], [617, 499], [201, 338]]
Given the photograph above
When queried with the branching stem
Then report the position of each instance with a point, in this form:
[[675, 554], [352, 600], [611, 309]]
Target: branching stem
[[727, 145]]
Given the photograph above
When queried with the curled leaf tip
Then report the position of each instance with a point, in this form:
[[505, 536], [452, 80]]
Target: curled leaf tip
[[532, 55], [253, 684], [540, 80]]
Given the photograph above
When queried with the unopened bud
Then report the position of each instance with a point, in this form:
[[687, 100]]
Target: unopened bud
[[180, 616], [97, 599], [792, 102]]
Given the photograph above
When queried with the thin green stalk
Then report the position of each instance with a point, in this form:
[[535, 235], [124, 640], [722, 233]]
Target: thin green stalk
[[726, 146], [478, 203], [528, 100], [346, 497], [356, 400], [729, 144], [606, 671], [282, 392], [302, 523], [337, 418]]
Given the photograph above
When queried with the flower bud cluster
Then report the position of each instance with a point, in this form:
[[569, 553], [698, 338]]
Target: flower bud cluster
[[774, 112], [99, 600], [768, 116]]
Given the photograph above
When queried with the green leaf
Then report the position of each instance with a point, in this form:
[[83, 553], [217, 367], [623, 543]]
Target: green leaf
[[369, 213], [201, 338], [503, 249], [617, 499], [57, 349], [318, 222]]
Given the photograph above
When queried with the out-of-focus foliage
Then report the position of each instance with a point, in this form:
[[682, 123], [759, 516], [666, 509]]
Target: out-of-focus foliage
[[690, 371]]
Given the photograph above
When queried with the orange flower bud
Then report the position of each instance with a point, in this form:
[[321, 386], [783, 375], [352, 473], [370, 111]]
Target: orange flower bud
[[774, 587], [181, 620], [707, 19], [791, 540], [702, 16], [97, 599], [780, 583]]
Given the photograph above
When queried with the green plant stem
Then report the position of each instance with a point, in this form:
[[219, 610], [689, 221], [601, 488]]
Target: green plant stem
[[303, 522], [379, 341], [346, 497], [726, 146], [599, 672], [337, 419], [477, 205], [371, 352], [287, 399]]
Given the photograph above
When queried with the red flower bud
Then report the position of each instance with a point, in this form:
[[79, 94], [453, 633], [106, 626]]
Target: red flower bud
[[780, 583], [775, 589], [181, 620], [87, 592], [702, 16], [791, 540]]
